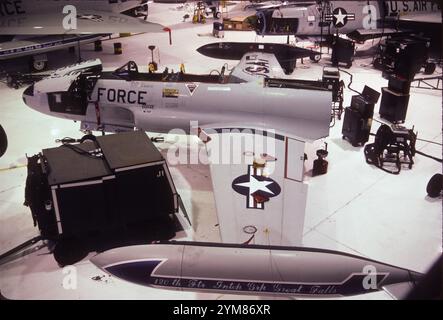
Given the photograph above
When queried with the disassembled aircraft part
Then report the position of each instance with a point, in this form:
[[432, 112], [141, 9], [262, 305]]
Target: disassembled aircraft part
[[93, 17], [284, 112], [246, 269], [286, 55], [109, 101]]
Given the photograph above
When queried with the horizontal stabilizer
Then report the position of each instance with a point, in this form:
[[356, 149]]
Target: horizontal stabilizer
[[361, 35]]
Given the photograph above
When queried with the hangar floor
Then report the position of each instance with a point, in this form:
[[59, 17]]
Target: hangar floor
[[354, 208]]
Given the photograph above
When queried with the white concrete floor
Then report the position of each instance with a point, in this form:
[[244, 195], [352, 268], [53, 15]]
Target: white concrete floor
[[354, 208]]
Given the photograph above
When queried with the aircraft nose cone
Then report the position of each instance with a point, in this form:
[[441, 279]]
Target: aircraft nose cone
[[223, 50], [127, 263], [34, 100], [212, 50], [113, 256], [138, 272], [28, 96]]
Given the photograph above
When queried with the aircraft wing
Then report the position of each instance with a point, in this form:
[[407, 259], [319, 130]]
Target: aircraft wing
[[397, 25], [432, 17], [41, 44], [361, 35], [257, 174], [97, 22]]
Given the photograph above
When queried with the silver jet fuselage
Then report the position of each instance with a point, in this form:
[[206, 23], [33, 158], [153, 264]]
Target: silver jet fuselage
[[329, 17], [120, 100]]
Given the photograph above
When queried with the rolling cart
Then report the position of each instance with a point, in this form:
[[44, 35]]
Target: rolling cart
[[96, 195]]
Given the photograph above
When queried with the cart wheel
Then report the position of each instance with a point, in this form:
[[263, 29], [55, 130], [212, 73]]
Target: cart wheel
[[217, 15], [69, 251], [429, 68], [435, 185], [315, 58], [88, 138], [38, 65]]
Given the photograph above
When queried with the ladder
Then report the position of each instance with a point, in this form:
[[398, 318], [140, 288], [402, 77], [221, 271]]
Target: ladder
[[325, 8]]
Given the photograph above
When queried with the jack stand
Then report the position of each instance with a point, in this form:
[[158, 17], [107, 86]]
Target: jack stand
[[320, 164]]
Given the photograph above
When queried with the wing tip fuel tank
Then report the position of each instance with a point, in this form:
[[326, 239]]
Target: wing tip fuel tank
[[245, 269]]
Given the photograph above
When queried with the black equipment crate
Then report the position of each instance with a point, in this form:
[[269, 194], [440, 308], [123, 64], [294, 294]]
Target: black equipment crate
[[398, 84], [404, 56], [358, 121], [343, 51], [124, 197], [394, 105]]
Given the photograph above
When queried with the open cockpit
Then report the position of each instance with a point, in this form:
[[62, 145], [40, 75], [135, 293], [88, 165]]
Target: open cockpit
[[130, 72]]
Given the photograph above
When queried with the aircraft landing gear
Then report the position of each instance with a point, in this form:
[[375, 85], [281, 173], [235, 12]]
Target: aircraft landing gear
[[315, 58], [39, 63]]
